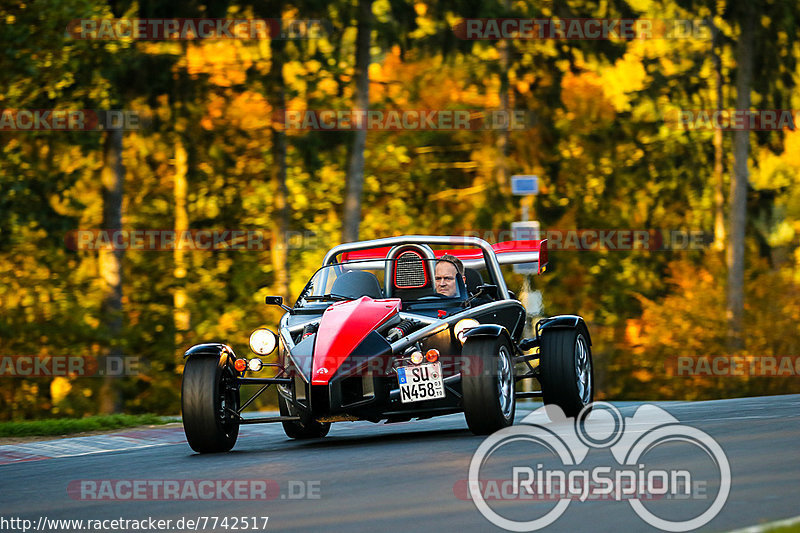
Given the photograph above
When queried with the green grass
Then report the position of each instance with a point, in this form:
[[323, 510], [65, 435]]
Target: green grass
[[64, 426], [793, 528]]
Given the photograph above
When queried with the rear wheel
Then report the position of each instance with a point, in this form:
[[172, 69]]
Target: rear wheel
[[306, 428], [489, 396], [209, 399], [566, 369]]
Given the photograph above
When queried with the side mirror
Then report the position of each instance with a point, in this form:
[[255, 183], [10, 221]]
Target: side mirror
[[487, 290], [277, 300]]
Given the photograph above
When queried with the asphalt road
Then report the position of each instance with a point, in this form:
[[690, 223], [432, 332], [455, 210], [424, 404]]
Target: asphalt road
[[398, 477]]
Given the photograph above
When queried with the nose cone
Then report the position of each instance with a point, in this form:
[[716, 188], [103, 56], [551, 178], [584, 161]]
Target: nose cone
[[343, 326]]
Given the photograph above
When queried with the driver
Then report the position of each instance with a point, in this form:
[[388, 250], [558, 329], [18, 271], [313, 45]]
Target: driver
[[447, 268]]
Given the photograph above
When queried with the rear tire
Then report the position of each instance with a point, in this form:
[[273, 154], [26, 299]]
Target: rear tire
[[567, 370], [489, 397], [207, 392], [307, 428]]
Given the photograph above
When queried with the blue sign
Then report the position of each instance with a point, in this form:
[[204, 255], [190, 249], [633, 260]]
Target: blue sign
[[522, 185]]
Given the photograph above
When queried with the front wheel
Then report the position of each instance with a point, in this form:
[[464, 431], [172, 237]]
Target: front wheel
[[209, 401], [306, 428], [489, 396], [566, 370]]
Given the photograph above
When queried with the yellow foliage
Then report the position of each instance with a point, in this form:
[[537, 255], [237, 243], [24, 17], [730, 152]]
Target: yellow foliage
[[327, 86], [690, 321], [59, 388], [584, 99], [627, 76], [221, 59]]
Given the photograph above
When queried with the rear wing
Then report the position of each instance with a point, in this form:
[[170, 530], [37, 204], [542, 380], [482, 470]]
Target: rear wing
[[508, 253]]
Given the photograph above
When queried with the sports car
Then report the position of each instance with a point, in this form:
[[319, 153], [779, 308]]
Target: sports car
[[391, 330]]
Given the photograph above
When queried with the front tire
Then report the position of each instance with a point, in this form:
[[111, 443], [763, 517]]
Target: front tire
[[306, 428], [489, 397], [566, 369], [208, 393]]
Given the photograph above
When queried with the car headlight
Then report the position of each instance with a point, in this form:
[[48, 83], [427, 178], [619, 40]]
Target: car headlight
[[263, 341], [462, 326]]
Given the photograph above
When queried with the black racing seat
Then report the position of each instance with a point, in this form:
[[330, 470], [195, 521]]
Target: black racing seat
[[357, 283], [474, 280]]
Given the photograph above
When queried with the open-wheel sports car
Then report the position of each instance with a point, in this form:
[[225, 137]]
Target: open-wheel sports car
[[391, 330]]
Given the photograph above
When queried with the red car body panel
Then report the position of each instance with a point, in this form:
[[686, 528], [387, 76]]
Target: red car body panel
[[343, 326], [370, 253]]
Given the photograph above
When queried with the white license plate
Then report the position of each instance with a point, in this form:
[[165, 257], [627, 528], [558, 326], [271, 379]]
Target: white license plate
[[418, 383]]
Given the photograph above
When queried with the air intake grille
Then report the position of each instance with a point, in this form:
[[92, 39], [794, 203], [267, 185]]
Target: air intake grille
[[410, 272]]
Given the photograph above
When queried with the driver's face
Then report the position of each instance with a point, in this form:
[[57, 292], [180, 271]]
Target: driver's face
[[445, 278]]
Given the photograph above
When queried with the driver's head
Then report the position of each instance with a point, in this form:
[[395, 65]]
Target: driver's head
[[447, 268]]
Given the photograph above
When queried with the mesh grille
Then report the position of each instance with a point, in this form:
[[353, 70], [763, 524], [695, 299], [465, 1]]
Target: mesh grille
[[410, 271]]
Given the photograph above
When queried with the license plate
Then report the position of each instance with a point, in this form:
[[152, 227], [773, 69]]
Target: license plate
[[418, 383]]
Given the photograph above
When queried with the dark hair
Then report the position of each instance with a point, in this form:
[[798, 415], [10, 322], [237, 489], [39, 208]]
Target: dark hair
[[455, 261]]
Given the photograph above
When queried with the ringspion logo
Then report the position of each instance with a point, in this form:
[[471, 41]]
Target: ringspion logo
[[599, 426]]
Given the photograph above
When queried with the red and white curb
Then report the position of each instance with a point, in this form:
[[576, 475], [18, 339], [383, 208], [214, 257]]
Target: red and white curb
[[93, 444]]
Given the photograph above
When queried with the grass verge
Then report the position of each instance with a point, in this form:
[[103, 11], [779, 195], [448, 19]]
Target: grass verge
[[64, 426]]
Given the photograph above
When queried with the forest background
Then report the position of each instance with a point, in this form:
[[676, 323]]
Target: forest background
[[208, 151]]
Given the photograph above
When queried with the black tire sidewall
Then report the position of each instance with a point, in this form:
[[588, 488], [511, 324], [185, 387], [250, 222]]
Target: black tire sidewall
[[558, 369], [481, 392], [201, 388]]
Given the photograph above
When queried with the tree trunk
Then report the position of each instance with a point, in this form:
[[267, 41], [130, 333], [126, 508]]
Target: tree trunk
[[181, 318], [501, 175], [110, 261], [355, 165], [279, 244], [739, 183], [719, 170]]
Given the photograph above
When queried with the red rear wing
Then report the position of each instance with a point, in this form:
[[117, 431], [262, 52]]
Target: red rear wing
[[508, 253]]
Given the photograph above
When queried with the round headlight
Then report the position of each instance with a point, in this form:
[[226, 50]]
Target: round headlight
[[462, 326], [263, 341]]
